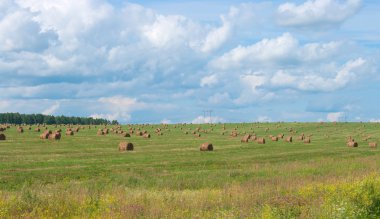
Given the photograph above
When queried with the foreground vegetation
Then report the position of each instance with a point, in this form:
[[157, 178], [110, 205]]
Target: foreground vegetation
[[166, 176]]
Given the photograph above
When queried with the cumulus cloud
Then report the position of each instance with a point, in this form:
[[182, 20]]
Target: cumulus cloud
[[209, 80], [334, 117], [264, 119], [282, 50], [166, 121], [202, 120], [317, 13]]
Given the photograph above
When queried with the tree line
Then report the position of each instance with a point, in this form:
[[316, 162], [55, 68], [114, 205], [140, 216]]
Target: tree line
[[31, 119]]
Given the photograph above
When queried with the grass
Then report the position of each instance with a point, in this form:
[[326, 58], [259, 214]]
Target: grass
[[168, 177]]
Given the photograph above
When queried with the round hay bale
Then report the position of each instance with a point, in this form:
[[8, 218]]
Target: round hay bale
[[20, 130], [234, 134], [307, 140], [2, 137], [37, 129], [372, 145], [44, 135], [125, 146], [253, 138], [352, 144], [206, 147], [55, 136], [260, 140], [69, 132], [274, 138], [146, 135], [100, 132], [289, 139], [245, 138], [126, 135], [301, 137]]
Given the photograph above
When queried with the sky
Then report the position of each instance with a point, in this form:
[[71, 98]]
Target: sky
[[170, 61]]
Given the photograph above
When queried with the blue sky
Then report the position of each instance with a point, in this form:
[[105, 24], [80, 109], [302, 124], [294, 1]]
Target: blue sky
[[168, 61]]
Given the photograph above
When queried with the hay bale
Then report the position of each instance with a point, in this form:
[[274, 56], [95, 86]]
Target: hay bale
[[2, 137], [352, 144], [126, 135], [372, 144], [44, 135], [289, 139], [146, 135], [100, 132], [37, 129], [125, 146], [206, 147], [20, 130], [245, 138], [234, 134], [260, 140], [253, 138], [55, 136], [274, 138], [69, 132], [307, 140], [301, 137]]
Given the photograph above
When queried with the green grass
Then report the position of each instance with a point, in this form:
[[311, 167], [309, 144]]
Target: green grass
[[168, 177]]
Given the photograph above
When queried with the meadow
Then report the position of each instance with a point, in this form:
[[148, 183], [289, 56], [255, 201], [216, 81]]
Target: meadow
[[167, 176]]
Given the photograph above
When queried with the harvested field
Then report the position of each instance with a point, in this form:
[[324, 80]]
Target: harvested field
[[167, 176]]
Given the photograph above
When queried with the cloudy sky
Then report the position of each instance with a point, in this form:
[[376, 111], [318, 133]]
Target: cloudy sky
[[167, 61]]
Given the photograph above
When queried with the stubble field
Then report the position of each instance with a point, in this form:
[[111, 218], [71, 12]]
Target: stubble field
[[166, 176]]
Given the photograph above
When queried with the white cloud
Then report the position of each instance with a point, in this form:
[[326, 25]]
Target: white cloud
[[264, 119], [166, 121], [282, 50], [202, 119], [52, 109], [209, 80], [374, 120], [281, 78], [317, 13], [334, 117]]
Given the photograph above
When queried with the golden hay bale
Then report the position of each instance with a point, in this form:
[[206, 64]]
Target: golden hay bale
[[20, 130], [197, 135], [55, 136], [253, 138], [2, 137], [44, 135], [100, 132], [69, 132], [307, 140], [352, 144], [246, 138], [37, 129], [206, 147], [126, 135], [372, 144], [260, 140], [125, 146], [105, 131], [289, 139], [301, 137], [146, 135], [274, 138], [139, 133], [234, 134]]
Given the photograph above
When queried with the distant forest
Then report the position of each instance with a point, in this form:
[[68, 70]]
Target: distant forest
[[30, 119]]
